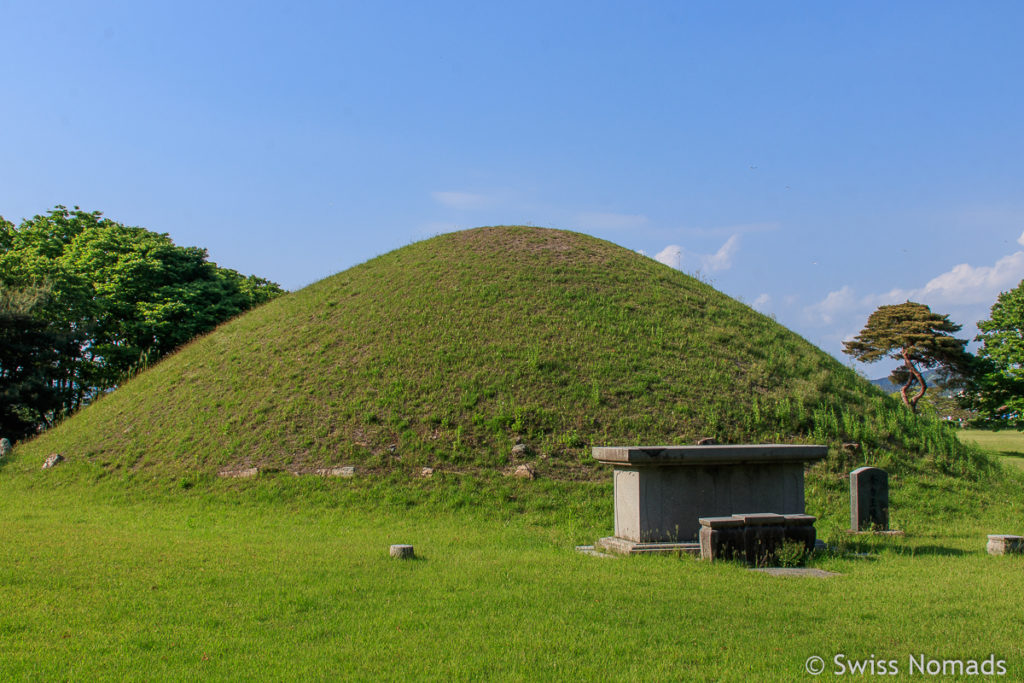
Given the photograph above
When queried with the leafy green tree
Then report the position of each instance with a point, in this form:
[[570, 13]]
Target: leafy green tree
[[31, 368], [996, 389], [911, 333], [122, 294]]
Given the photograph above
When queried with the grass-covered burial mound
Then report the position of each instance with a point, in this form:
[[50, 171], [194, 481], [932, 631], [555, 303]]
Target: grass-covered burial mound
[[448, 352]]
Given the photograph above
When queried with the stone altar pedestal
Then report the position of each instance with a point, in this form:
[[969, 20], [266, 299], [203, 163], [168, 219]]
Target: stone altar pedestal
[[661, 492]]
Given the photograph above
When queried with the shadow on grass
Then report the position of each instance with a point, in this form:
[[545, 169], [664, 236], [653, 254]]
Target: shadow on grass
[[869, 549], [933, 551]]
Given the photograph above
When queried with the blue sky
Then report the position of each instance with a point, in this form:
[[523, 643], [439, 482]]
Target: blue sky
[[812, 159]]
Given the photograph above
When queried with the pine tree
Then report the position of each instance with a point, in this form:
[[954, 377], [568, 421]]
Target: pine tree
[[910, 332]]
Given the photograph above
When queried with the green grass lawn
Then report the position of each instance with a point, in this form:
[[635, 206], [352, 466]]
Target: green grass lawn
[[282, 578], [1008, 444]]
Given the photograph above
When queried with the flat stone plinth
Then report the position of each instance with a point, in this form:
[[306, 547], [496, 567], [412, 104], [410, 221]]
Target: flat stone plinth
[[621, 546], [662, 491], [795, 571]]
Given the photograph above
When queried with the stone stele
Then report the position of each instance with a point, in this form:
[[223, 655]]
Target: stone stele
[[869, 499], [661, 492]]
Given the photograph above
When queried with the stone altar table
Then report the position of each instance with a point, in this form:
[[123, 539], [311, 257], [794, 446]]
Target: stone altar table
[[661, 492]]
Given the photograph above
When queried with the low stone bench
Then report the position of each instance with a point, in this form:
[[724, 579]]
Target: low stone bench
[[1005, 544], [753, 538]]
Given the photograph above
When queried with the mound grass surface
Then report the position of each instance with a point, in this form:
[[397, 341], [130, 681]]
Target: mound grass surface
[[449, 351]]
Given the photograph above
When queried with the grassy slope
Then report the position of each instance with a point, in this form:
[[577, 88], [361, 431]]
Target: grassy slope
[[449, 350]]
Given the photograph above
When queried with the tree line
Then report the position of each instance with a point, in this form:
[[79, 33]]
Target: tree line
[[990, 383], [85, 302]]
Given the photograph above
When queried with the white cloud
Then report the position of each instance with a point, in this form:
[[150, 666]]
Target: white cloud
[[964, 292], [671, 256], [1020, 240], [676, 256], [721, 259], [834, 305], [964, 284], [462, 200], [762, 300], [610, 221], [972, 288]]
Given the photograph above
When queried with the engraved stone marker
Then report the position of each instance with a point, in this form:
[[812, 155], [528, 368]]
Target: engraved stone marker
[[5, 447], [869, 499]]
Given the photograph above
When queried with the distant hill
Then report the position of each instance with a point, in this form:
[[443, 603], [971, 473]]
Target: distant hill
[[930, 378], [447, 352]]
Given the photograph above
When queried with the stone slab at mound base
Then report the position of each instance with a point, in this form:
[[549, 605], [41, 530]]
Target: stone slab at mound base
[[795, 571]]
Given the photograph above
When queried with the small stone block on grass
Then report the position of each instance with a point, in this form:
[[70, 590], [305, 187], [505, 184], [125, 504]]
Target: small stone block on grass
[[1005, 544], [402, 552], [246, 473], [526, 471], [594, 552], [53, 460], [347, 471]]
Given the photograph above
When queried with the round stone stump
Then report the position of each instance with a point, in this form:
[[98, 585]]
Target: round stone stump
[[402, 552]]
